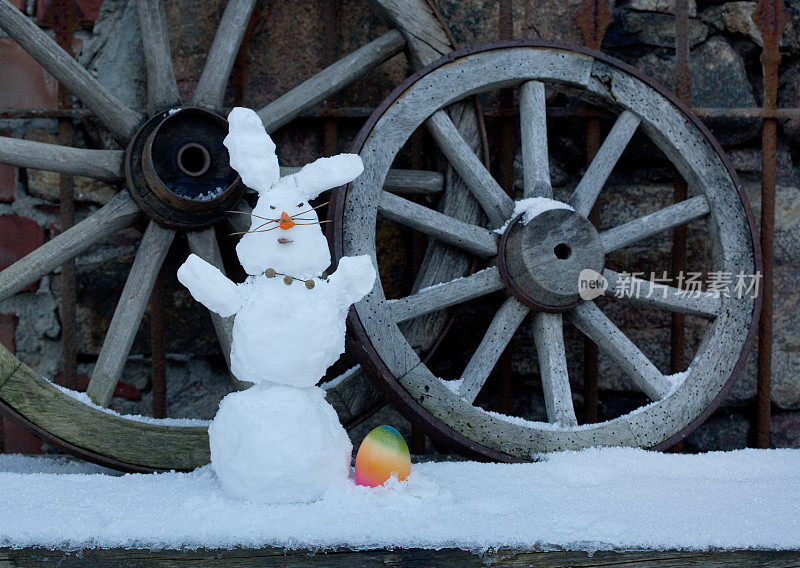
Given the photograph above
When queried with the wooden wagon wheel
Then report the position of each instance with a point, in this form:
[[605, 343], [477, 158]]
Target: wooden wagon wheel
[[177, 178], [538, 263]]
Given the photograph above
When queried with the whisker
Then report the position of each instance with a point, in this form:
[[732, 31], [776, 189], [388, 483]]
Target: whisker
[[307, 210], [252, 215]]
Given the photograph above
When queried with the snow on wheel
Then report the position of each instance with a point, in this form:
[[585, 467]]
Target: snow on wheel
[[190, 193], [537, 260]]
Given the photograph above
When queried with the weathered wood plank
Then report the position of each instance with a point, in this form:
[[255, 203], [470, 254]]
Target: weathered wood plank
[[548, 334], [533, 129], [644, 227], [136, 443], [657, 295], [331, 80], [98, 164], [399, 557], [585, 194], [497, 205], [162, 88], [592, 322], [445, 295], [471, 238], [120, 120], [117, 214], [130, 309], [210, 90], [504, 324]]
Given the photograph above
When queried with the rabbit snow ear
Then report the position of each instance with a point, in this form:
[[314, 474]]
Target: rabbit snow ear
[[252, 151], [326, 173]]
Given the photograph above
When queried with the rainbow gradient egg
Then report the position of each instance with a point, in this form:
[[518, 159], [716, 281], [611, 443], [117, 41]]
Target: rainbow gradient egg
[[382, 453]]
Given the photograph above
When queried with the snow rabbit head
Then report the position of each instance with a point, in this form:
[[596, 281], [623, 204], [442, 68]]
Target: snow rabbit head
[[284, 230]]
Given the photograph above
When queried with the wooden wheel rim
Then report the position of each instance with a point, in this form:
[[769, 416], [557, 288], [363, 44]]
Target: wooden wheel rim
[[26, 397], [412, 386]]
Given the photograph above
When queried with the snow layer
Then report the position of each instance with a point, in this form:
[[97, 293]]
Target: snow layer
[[595, 499], [278, 444], [531, 207]]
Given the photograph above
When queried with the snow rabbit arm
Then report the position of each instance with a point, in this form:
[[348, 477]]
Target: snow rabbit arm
[[354, 278], [209, 286]]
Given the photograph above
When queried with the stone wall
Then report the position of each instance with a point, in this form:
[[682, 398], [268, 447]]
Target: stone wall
[[286, 45]]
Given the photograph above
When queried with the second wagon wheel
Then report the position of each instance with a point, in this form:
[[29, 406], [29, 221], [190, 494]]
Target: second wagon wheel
[[177, 178], [537, 264]]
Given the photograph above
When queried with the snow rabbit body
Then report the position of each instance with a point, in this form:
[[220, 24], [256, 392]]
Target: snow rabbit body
[[285, 334], [280, 441]]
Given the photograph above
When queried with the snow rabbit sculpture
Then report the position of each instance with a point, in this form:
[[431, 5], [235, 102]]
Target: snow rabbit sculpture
[[280, 441]]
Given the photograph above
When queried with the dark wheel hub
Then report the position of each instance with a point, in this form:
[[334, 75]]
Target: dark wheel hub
[[178, 169], [541, 261]]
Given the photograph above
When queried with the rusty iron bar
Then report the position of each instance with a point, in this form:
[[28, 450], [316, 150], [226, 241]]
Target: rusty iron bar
[[771, 18], [593, 19], [681, 189], [733, 113], [507, 133], [64, 17], [158, 350]]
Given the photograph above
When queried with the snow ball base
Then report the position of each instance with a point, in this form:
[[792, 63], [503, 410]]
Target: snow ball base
[[278, 444]]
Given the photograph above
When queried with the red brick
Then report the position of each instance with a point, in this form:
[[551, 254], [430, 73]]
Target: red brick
[[8, 178], [90, 9], [8, 183], [25, 83], [18, 237], [15, 439], [8, 331]]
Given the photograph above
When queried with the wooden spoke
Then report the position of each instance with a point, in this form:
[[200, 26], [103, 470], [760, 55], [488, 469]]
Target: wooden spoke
[[585, 195], [646, 293], [471, 238], [162, 89], [98, 164], [210, 89], [668, 218], [444, 295], [130, 309], [117, 214], [494, 201], [240, 222], [119, 119], [593, 323], [330, 80], [548, 334], [533, 127], [204, 244], [505, 323], [411, 182]]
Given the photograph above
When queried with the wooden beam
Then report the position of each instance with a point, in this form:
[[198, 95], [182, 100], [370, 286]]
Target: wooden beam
[[471, 238], [104, 165], [331, 80], [117, 214], [118, 118]]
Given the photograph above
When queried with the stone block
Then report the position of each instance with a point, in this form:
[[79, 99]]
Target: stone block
[[652, 29], [662, 6], [735, 18], [719, 80], [785, 429]]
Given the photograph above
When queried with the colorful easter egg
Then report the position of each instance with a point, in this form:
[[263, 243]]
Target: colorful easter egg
[[382, 453]]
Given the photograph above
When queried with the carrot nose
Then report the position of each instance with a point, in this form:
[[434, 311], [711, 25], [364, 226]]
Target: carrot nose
[[286, 222]]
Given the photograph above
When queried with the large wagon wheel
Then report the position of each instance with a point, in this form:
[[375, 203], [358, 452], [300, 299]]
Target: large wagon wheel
[[178, 179], [537, 264]]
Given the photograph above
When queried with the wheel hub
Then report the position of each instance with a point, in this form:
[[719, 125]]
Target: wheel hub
[[541, 261], [178, 169]]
